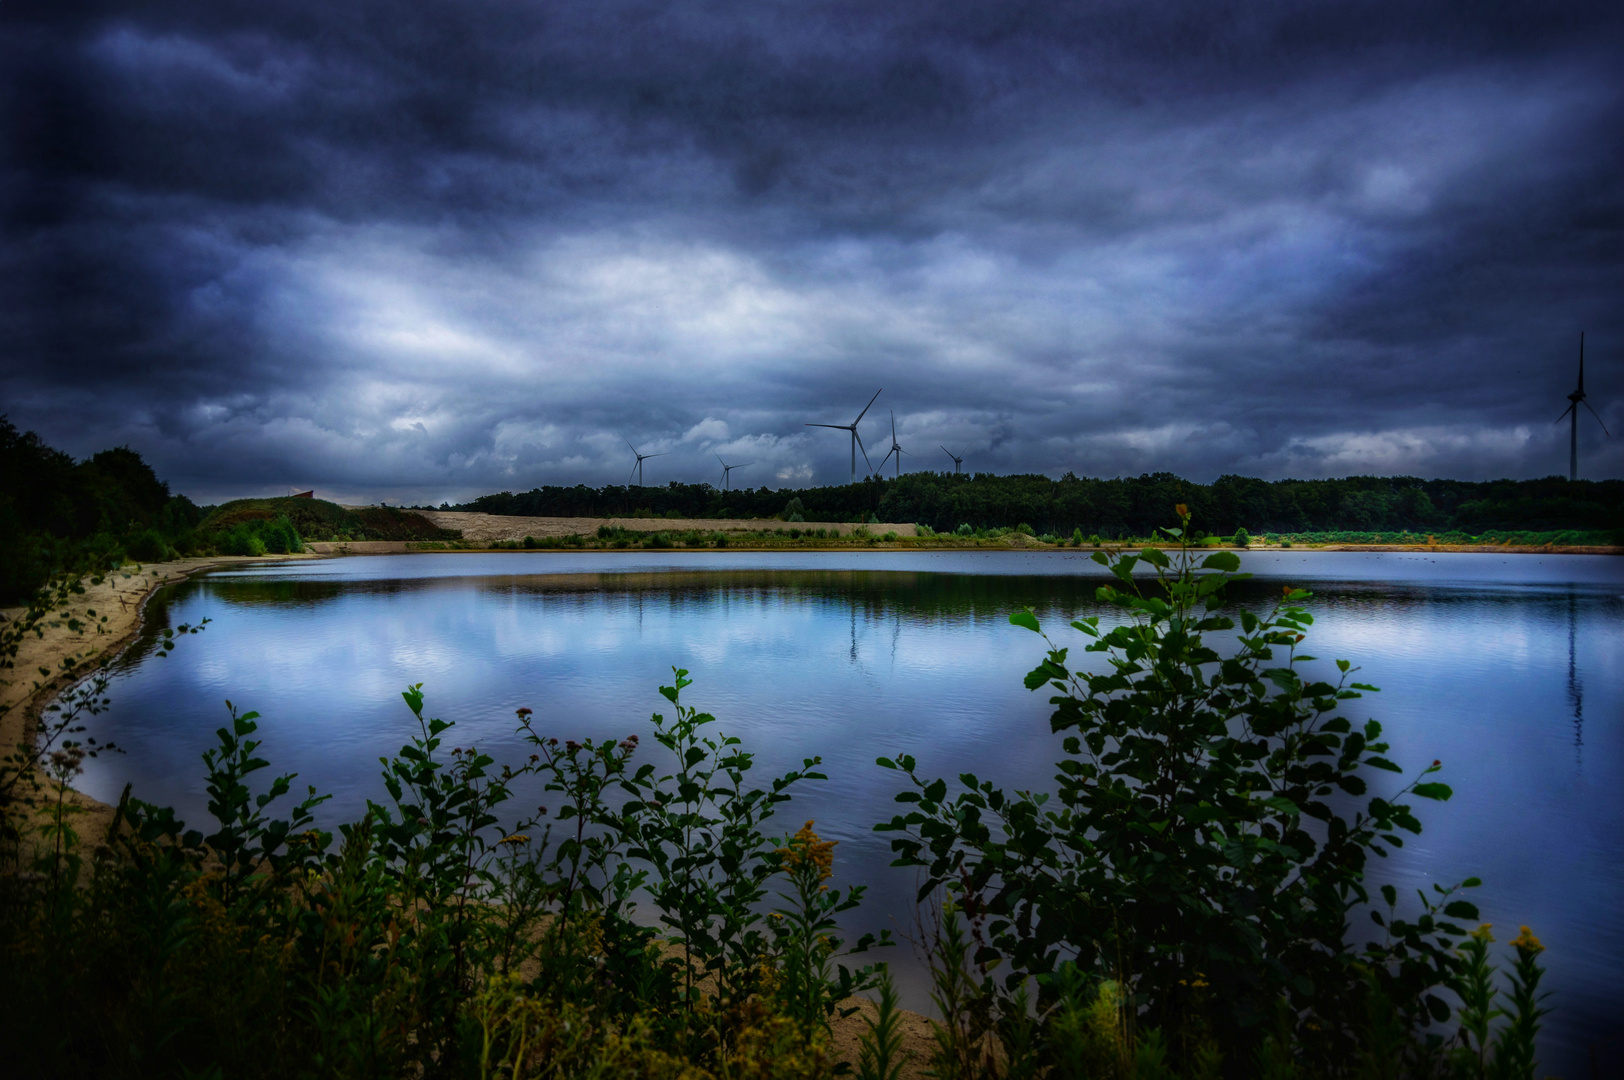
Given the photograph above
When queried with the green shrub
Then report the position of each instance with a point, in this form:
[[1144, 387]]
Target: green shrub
[[1159, 859], [1024, 529], [1241, 539], [147, 546], [264, 946]]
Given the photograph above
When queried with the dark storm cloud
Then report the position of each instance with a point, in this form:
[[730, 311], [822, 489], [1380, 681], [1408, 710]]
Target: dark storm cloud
[[431, 250]]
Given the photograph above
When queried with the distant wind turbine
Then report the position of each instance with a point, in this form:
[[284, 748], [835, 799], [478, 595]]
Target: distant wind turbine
[[1576, 399], [856, 439], [896, 448], [957, 461], [727, 469], [637, 470]]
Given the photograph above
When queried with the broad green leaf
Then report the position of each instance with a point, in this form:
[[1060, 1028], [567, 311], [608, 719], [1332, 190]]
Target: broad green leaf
[[1026, 619]]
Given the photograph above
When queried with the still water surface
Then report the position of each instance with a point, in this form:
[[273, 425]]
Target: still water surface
[[1510, 669]]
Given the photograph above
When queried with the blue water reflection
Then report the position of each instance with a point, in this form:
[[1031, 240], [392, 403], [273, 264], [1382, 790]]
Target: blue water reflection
[[1510, 669]]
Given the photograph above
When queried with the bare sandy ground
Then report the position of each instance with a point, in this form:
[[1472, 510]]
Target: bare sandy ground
[[487, 528], [61, 656]]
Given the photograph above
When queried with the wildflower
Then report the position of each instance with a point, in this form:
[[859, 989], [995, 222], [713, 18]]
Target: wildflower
[[1482, 933], [522, 712], [516, 839], [806, 850], [1526, 944], [572, 746], [1181, 510]]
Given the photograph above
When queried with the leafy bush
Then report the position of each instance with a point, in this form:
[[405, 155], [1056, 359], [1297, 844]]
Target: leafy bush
[[1199, 850], [1241, 538], [432, 937], [147, 546]]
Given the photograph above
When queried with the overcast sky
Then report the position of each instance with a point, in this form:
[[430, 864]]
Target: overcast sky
[[418, 251]]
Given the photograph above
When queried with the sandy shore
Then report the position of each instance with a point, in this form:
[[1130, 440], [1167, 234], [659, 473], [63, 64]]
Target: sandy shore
[[488, 528], [108, 617]]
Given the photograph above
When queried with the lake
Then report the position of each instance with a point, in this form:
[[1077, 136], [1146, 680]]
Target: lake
[[1508, 668]]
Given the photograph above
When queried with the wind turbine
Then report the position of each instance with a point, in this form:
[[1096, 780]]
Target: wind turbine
[[1577, 398], [637, 469], [957, 461], [727, 469], [856, 439], [896, 448]]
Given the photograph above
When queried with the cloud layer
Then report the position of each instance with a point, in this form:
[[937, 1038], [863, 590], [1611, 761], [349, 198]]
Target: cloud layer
[[427, 251]]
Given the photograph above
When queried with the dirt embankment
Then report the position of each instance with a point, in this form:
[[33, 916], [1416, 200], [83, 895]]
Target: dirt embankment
[[78, 638], [488, 528]]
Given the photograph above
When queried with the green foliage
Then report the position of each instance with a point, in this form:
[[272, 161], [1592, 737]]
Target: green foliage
[[1198, 848], [1126, 506], [280, 523], [1241, 538], [435, 937], [55, 512], [880, 1054]]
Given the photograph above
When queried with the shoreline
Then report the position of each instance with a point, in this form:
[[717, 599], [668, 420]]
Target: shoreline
[[112, 615], [350, 548]]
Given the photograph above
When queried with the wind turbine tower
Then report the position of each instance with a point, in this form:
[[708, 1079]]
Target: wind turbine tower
[[1576, 399], [637, 470], [957, 460], [856, 439], [728, 469], [896, 448]]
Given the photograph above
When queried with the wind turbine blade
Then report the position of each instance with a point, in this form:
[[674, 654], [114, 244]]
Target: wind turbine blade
[[863, 448], [1565, 412], [631, 474], [842, 427], [946, 451], [628, 442], [746, 465], [662, 453], [884, 459], [893, 426], [1597, 415], [1581, 363], [867, 407]]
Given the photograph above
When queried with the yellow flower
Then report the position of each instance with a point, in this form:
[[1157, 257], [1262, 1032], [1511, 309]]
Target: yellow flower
[[1526, 943], [806, 850], [1482, 933], [516, 839], [1182, 510]]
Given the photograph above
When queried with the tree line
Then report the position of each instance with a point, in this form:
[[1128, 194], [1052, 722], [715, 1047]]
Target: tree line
[[1117, 507]]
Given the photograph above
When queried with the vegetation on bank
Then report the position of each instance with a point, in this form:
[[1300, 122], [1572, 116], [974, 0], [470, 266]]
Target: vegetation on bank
[[1183, 902], [1122, 507], [281, 523], [57, 512], [110, 508]]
